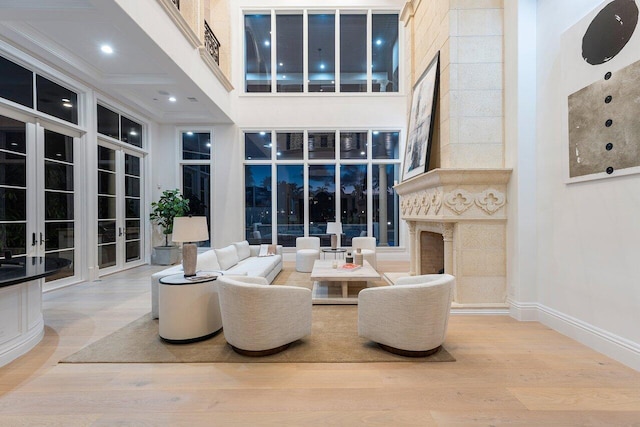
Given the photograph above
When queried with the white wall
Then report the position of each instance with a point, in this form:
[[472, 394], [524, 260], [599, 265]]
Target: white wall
[[588, 233]]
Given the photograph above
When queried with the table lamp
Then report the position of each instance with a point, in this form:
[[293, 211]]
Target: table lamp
[[334, 228], [189, 229]]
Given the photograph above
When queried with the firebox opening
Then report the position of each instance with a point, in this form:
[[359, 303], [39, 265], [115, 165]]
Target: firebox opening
[[431, 253]]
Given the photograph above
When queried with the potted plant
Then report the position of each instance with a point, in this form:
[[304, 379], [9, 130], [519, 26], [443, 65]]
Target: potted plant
[[170, 205]]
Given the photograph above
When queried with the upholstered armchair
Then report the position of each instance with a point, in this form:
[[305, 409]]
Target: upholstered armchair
[[259, 319], [409, 318], [368, 247], [307, 251]]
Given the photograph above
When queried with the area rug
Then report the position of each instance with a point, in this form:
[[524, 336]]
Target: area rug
[[334, 338]]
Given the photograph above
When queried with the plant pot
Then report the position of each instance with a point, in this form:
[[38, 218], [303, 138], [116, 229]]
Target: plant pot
[[165, 255]]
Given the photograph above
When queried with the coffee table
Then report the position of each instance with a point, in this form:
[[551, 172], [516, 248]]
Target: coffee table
[[326, 278]]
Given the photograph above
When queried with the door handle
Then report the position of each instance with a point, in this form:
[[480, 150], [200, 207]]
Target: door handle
[[34, 241], [42, 239], [120, 231]]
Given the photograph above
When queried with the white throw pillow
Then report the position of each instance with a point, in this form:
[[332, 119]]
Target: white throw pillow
[[208, 261], [227, 257], [243, 250]]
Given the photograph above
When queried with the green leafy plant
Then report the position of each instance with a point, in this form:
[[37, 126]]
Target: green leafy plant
[[170, 205]]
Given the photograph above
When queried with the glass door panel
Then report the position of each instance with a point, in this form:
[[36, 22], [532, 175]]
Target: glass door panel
[[107, 207], [13, 187], [133, 212], [59, 204]]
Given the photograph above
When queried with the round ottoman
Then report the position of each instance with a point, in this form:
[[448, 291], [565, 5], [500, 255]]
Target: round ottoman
[[305, 259]]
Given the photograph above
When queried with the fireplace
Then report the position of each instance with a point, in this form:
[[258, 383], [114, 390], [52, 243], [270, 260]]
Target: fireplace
[[457, 220]]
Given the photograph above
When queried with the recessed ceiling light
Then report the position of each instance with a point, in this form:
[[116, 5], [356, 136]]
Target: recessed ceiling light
[[172, 99], [267, 43], [133, 132], [378, 42], [67, 105], [362, 153], [106, 49], [208, 144], [66, 100], [189, 133], [375, 132], [263, 133], [322, 66], [281, 64]]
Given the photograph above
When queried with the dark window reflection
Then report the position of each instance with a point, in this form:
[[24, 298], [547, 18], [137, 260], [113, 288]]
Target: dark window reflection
[[106, 183], [13, 169], [58, 176], [132, 229], [56, 100], [131, 165], [13, 237], [196, 145], [384, 53], [107, 256], [322, 195], [353, 203], [59, 235], [13, 204], [258, 203], [132, 251], [257, 146], [106, 231], [290, 145], [290, 199], [132, 186], [322, 145], [108, 122], [131, 132], [58, 147], [106, 207], [196, 186], [353, 145], [12, 135], [257, 42], [16, 83], [132, 207], [58, 205], [289, 51], [353, 53], [385, 205], [322, 35], [106, 159], [65, 272], [385, 145]]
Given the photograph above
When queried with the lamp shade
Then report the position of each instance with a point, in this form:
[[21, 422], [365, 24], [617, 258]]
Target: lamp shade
[[190, 229], [334, 228]]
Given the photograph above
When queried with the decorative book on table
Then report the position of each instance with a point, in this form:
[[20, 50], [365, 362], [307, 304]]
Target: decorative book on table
[[350, 266]]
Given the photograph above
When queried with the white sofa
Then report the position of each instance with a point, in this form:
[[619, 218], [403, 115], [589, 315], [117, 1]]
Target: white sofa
[[239, 259]]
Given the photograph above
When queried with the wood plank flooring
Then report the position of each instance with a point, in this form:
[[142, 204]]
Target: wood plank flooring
[[507, 373]]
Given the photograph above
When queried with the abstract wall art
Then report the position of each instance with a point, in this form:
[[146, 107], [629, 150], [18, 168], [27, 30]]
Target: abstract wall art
[[600, 73]]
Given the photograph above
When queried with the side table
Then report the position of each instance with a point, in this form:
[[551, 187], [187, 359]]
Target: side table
[[335, 252], [189, 308]]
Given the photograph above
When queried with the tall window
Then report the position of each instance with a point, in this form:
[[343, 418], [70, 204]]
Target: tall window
[[257, 46], [196, 174], [289, 68], [313, 186], [353, 53], [328, 59]]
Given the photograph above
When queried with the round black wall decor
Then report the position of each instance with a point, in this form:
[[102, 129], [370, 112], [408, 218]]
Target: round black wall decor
[[609, 31]]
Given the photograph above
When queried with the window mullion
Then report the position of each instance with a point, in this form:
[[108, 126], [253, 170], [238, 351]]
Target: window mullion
[[305, 51], [337, 55], [369, 51], [274, 63]]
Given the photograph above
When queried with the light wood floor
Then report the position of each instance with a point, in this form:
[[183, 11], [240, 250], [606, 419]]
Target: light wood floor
[[507, 373]]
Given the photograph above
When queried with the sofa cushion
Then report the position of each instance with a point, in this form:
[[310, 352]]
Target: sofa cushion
[[227, 257], [256, 266], [243, 250], [208, 261]]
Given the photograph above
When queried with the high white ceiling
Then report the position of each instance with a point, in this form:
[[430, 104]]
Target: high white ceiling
[[68, 34]]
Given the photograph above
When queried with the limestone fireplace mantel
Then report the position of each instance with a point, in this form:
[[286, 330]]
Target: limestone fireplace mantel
[[468, 207]]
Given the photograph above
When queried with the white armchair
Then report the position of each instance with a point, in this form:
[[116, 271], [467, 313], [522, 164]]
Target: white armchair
[[259, 319], [307, 251], [409, 318], [368, 247]]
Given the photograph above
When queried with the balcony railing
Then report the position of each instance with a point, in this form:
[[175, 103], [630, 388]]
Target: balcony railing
[[177, 3], [211, 43]]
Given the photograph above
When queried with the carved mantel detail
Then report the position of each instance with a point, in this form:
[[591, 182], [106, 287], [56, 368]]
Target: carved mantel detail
[[473, 227]]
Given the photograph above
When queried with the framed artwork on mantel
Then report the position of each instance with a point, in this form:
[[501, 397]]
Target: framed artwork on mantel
[[421, 121]]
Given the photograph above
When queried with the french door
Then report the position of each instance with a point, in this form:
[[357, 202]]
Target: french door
[[120, 227], [38, 194]]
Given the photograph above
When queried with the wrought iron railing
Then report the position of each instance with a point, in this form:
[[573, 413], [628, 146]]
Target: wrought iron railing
[[177, 3], [211, 43]]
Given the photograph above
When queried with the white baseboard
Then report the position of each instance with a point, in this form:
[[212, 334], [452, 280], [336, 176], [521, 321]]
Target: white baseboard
[[611, 345]]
